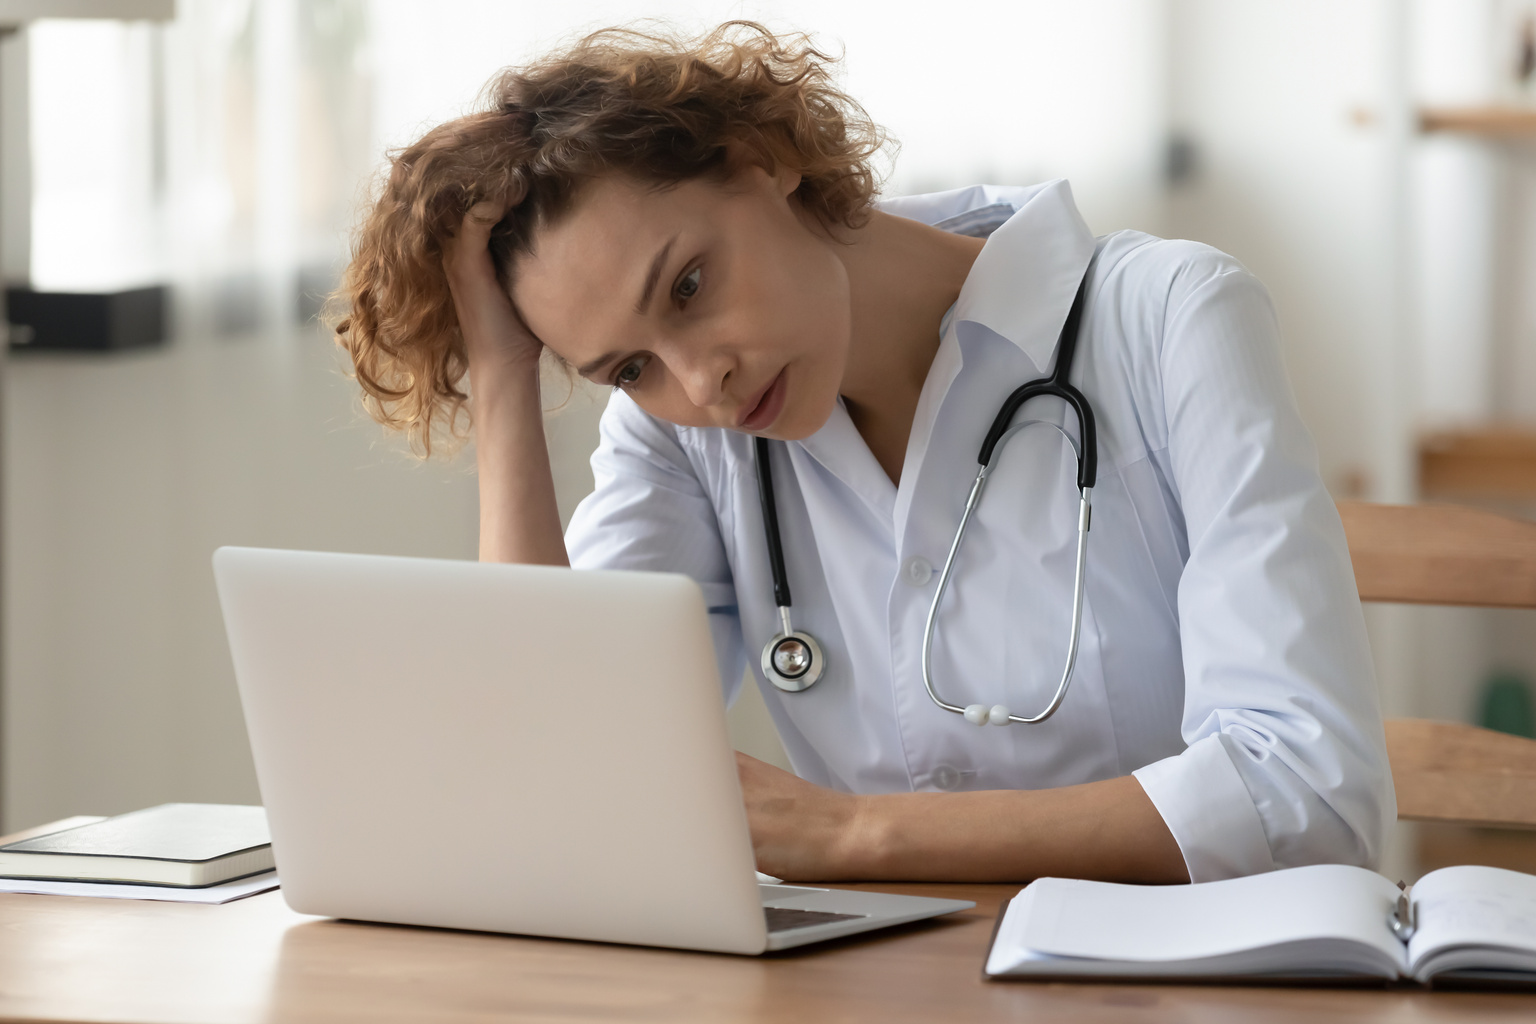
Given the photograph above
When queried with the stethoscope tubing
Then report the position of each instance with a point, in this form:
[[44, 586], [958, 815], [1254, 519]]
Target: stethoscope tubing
[[771, 528], [1084, 519], [1003, 428], [1001, 431]]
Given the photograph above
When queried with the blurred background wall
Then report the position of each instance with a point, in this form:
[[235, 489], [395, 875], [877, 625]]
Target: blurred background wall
[[224, 154]]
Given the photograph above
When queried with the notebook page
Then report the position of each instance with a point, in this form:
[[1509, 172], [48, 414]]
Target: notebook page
[[1190, 922], [1473, 906], [1008, 945], [1008, 952], [224, 892]]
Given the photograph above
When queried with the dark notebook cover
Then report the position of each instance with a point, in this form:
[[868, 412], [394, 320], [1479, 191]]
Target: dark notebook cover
[[179, 832]]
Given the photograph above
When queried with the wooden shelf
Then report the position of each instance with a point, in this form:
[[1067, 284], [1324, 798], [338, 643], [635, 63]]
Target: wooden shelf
[[1495, 462], [1490, 122], [1442, 554]]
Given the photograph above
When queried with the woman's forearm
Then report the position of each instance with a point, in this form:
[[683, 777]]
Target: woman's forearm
[[519, 519], [1106, 830]]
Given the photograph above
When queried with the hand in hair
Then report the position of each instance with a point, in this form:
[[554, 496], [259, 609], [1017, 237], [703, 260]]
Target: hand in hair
[[494, 336], [519, 521]]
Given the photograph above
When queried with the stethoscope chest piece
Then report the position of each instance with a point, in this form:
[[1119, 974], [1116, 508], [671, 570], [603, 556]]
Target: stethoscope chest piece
[[793, 661]]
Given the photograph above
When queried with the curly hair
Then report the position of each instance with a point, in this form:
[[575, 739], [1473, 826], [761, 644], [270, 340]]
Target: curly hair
[[657, 107]]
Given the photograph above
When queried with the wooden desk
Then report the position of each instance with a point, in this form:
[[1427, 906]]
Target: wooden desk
[[66, 959]]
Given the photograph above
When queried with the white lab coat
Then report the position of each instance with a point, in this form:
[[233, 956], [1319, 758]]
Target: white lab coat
[[1223, 660]]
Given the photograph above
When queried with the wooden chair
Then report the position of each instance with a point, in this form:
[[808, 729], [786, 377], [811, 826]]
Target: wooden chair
[[1440, 554]]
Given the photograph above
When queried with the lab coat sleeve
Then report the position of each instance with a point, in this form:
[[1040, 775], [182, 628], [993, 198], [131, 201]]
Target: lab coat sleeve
[[648, 512], [1286, 759]]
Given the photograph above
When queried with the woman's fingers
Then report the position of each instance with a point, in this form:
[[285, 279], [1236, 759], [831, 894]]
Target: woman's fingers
[[475, 231], [469, 253], [487, 212], [493, 333]]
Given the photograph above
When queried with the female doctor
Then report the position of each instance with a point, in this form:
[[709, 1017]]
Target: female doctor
[[693, 223]]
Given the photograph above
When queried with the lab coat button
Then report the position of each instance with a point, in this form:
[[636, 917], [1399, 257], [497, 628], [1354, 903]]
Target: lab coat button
[[917, 571], [947, 777]]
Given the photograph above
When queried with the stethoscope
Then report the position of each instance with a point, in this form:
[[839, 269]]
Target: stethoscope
[[793, 660]]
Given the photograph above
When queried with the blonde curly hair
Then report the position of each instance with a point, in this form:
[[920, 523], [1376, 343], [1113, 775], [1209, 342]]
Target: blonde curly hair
[[655, 106]]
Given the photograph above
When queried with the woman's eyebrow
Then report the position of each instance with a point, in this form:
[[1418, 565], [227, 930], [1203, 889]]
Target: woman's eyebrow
[[588, 369], [652, 276]]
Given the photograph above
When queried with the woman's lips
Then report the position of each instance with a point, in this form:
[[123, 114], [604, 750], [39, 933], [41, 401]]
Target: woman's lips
[[766, 409]]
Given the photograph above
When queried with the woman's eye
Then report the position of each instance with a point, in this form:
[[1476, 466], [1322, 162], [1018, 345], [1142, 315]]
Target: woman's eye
[[629, 373], [688, 287]]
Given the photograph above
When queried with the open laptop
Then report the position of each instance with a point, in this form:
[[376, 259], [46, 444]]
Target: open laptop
[[507, 748]]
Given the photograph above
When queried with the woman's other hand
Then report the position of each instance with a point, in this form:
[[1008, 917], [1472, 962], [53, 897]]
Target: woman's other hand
[[799, 830], [494, 336], [1108, 830]]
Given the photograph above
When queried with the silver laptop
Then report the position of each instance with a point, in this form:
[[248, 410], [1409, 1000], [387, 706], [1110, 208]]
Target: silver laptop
[[507, 748]]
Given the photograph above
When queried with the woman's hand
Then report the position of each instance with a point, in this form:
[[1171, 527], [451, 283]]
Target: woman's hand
[[799, 830], [494, 335]]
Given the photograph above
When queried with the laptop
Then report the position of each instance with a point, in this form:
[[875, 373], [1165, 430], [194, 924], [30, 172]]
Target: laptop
[[507, 748]]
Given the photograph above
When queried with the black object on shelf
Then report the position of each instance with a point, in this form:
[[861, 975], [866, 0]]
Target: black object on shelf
[[86, 321]]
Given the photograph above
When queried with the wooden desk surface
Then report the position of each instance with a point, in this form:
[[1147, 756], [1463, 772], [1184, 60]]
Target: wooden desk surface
[[67, 959]]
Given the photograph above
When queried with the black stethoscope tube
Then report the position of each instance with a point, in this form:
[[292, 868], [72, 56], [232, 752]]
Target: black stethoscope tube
[[771, 524], [1056, 384]]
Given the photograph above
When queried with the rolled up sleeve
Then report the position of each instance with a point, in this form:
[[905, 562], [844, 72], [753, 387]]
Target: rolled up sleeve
[[649, 513], [1286, 759]]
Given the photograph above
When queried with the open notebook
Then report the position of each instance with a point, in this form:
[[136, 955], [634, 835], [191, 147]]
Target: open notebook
[[1326, 922]]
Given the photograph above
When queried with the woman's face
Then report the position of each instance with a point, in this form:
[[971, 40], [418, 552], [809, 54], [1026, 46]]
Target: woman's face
[[712, 304]]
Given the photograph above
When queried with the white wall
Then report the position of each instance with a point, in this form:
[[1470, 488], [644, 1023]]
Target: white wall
[[123, 473], [986, 90]]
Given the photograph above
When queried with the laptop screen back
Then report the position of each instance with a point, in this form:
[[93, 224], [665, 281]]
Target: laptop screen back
[[494, 747]]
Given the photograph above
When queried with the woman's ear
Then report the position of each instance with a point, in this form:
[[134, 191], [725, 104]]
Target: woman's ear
[[788, 180], [757, 163]]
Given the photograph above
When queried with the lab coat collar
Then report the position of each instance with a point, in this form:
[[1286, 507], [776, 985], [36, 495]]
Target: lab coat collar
[[1022, 284], [1020, 288]]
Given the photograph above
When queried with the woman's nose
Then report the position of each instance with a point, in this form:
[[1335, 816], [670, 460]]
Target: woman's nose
[[704, 378]]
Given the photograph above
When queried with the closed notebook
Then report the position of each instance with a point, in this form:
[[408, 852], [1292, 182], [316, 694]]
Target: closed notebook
[[1328, 922], [190, 845]]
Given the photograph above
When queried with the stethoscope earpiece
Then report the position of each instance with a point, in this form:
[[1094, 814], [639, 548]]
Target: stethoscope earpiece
[[980, 714]]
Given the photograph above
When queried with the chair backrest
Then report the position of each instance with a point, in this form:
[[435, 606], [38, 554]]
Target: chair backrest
[[1444, 554]]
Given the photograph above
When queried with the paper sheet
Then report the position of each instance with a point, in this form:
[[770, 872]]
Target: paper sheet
[[224, 893], [1168, 923], [1473, 906]]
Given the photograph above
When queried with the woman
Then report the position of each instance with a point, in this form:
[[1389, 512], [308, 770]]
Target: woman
[[692, 222]]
